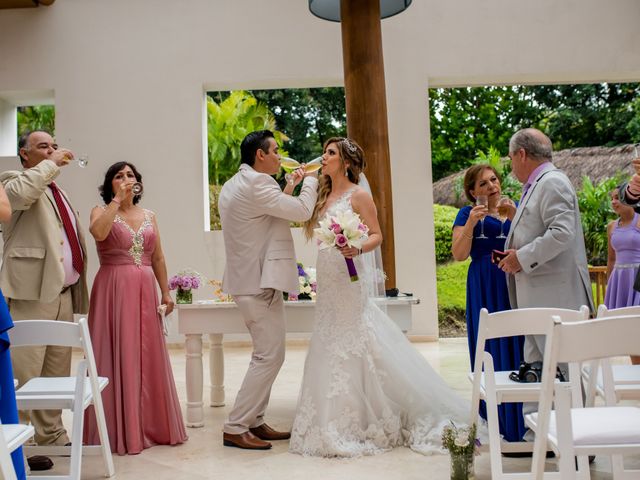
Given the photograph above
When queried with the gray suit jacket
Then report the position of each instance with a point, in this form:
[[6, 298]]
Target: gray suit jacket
[[548, 237], [31, 261], [255, 216]]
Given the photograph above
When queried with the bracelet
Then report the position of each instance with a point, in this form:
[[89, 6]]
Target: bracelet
[[115, 201]]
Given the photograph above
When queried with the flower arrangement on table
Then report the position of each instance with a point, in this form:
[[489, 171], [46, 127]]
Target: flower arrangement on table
[[185, 282], [306, 284], [462, 445], [218, 293], [343, 229]]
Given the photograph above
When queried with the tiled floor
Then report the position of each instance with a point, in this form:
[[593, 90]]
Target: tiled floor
[[204, 457]]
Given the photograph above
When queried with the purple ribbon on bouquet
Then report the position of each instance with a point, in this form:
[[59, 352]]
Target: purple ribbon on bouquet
[[342, 241]]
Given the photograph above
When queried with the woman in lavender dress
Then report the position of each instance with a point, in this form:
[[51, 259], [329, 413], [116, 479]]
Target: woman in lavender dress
[[624, 258]]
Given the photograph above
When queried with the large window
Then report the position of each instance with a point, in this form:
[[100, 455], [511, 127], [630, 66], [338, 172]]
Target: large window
[[302, 119]]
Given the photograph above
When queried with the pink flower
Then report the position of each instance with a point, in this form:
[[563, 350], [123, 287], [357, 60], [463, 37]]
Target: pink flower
[[186, 283], [195, 282], [363, 228], [336, 228], [341, 240]]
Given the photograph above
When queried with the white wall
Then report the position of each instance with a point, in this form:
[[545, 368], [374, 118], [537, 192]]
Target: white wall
[[129, 78]]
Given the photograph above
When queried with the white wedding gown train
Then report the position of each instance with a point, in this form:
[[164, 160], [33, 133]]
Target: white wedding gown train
[[365, 388]]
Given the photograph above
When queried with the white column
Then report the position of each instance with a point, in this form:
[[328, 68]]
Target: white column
[[216, 370], [8, 129], [195, 413]]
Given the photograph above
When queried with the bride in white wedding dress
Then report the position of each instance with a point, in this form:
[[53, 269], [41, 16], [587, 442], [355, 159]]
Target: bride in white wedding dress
[[365, 388]]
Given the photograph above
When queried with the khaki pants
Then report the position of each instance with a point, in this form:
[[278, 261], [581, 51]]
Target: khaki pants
[[264, 317], [42, 361]]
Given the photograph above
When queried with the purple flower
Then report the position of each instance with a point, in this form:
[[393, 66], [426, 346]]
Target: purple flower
[[186, 283], [341, 240], [314, 287], [301, 272], [195, 282], [173, 283]]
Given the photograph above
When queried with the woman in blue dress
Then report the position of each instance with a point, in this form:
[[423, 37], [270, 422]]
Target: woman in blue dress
[[8, 409], [486, 283]]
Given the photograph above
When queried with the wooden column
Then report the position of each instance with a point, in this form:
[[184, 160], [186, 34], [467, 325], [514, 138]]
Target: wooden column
[[367, 110]]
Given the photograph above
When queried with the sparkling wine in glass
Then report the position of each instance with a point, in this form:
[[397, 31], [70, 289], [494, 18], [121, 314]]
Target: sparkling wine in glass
[[289, 165], [503, 214], [482, 200]]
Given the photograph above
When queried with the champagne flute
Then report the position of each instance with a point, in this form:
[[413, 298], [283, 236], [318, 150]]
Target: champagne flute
[[82, 160], [482, 200], [289, 165], [503, 214]]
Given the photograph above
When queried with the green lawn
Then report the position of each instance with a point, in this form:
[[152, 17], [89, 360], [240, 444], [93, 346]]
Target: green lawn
[[452, 283]]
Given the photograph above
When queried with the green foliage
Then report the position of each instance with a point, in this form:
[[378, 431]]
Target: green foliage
[[38, 117], [443, 217], [466, 120], [228, 122], [596, 213], [214, 215], [309, 116]]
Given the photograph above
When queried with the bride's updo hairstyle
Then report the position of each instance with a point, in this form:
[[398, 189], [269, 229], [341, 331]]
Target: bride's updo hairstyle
[[353, 161]]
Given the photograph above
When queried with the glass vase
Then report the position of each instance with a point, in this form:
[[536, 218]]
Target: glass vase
[[462, 466], [184, 296]]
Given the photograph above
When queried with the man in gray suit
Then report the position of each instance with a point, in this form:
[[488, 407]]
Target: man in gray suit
[[43, 269], [261, 264], [546, 259]]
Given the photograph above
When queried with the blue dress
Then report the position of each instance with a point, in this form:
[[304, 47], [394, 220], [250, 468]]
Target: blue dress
[[8, 409], [487, 288]]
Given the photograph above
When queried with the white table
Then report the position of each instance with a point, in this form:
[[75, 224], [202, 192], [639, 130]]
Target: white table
[[218, 318]]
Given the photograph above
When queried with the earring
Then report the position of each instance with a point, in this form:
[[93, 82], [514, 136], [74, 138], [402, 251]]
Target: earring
[[346, 172]]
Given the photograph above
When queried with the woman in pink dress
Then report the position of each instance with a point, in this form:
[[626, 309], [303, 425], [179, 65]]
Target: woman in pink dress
[[141, 404]]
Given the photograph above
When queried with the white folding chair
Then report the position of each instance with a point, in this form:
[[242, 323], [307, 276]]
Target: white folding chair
[[626, 378], [11, 436], [495, 387], [66, 393], [612, 430]]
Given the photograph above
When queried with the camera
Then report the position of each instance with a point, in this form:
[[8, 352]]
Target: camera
[[532, 373]]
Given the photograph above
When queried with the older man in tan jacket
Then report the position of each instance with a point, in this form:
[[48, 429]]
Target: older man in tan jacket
[[261, 264], [43, 269]]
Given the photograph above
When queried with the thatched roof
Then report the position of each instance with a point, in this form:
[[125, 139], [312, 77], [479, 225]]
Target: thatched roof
[[597, 163]]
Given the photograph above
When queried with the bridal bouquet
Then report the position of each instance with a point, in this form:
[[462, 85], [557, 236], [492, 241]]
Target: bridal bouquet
[[340, 230]]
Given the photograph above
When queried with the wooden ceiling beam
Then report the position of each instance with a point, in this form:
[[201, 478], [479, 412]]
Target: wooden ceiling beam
[[6, 4]]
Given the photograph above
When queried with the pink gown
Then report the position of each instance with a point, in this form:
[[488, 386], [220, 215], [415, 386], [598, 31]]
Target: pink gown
[[141, 404]]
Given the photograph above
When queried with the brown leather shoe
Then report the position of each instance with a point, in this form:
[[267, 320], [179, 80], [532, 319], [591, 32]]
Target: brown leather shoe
[[265, 432], [244, 440], [38, 463]]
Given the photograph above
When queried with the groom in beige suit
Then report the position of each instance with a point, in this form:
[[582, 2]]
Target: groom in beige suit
[[261, 264], [43, 269]]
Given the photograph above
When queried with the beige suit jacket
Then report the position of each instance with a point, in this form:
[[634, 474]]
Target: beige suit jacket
[[31, 265], [255, 216]]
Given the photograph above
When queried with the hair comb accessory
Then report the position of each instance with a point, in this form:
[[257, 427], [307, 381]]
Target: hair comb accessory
[[350, 145]]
